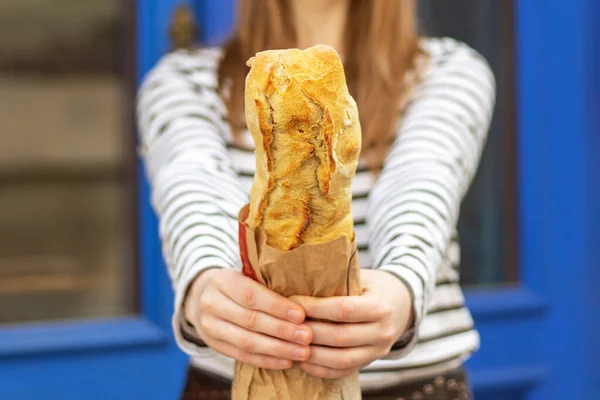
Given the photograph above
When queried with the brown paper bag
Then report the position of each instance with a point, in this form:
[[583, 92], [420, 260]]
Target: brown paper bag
[[320, 270]]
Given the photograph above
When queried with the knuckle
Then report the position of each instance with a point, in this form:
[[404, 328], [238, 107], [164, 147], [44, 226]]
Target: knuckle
[[251, 319], [387, 335], [244, 357], [246, 343], [259, 361], [385, 310], [326, 373], [279, 349], [203, 324], [339, 336], [282, 331], [252, 359], [206, 304], [345, 362], [216, 280], [248, 296], [344, 309], [268, 363], [277, 363]]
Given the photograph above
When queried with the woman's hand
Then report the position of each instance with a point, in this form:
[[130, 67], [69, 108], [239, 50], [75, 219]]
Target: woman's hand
[[363, 328], [240, 318]]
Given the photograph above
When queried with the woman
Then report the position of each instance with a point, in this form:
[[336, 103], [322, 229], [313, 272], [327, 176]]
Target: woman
[[425, 106]]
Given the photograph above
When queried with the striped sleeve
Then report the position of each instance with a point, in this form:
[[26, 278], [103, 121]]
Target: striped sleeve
[[414, 206], [195, 192]]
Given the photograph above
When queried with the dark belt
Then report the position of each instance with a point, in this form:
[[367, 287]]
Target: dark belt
[[454, 385]]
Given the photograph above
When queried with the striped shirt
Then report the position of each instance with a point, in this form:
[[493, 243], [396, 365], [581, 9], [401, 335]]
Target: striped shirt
[[405, 220]]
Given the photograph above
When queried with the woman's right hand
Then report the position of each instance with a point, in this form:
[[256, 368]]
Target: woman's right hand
[[240, 318]]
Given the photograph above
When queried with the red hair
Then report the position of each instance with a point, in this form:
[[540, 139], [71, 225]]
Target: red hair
[[381, 47]]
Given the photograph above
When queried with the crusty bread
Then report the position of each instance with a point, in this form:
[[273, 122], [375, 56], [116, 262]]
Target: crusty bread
[[307, 134]]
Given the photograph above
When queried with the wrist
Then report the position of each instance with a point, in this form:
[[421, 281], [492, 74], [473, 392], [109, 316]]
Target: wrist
[[402, 300], [393, 291], [407, 299]]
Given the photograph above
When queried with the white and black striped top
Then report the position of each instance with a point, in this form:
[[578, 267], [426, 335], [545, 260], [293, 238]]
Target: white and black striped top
[[405, 221]]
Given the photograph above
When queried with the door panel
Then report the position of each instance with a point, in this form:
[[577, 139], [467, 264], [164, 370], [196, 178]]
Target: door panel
[[547, 349], [114, 341], [487, 225], [67, 239]]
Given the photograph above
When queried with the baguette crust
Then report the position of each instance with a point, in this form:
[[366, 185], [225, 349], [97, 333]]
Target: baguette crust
[[307, 133]]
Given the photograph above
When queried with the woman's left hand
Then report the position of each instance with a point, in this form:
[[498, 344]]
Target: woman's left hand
[[362, 328]]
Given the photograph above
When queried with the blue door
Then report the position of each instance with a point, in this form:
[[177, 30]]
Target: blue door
[[540, 337], [85, 315], [85, 301]]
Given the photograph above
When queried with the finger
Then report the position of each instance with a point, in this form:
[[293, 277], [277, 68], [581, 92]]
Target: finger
[[346, 335], [363, 308], [258, 321], [253, 342], [258, 360], [327, 373], [341, 357], [251, 294]]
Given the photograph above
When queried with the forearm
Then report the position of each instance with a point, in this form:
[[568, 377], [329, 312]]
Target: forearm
[[414, 207], [194, 190]]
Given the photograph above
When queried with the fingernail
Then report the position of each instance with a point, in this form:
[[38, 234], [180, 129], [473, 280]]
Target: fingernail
[[299, 354], [295, 316], [302, 336]]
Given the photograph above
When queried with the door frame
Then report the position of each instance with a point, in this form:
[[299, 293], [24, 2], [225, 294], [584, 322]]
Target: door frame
[[540, 339]]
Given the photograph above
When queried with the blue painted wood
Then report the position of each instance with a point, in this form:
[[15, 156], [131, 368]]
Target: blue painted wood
[[41, 339], [216, 20], [553, 163], [554, 133], [508, 379], [592, 324], [148, 373], [504, 302], [130, 357], [154, 17]]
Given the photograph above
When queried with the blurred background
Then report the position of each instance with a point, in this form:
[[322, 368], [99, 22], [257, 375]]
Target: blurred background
[[84, 297], [65, 188]]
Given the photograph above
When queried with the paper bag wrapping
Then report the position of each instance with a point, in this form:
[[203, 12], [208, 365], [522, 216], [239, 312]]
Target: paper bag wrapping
[[320, 270]]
